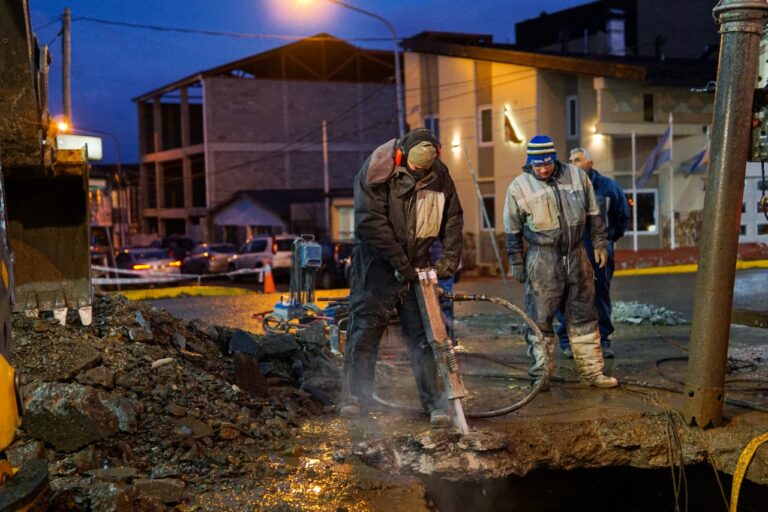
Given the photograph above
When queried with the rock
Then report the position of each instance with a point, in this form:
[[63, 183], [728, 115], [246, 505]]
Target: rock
[[191, 427], [68, 416], [115, 475], [165, 472], [125, 410], [18, 454], [248, 376], [242, 341], [176, 410], [229, 431], [179, 341], [99, 376], [276, 346], [167, 490], [314, 333], [140, 335]]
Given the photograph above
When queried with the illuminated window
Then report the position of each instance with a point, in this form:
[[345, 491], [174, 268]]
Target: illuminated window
[[647, 212]]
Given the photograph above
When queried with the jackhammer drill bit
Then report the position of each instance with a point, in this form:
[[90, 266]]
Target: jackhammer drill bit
[[442, 347]]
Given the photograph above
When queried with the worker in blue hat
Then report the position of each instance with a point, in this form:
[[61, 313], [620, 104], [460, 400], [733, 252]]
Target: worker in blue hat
[[549, 205]]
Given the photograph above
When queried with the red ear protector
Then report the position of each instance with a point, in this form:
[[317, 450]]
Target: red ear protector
[[398, 154]]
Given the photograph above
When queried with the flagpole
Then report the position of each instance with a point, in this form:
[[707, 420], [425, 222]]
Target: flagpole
[[634, 192], [671, 182]]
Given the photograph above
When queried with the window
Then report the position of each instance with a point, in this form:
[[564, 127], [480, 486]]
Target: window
[[647, 212], [648, 108], [489, 203], [433, 123], [572, 117], [173, 185], [485, 128], [346, 216]]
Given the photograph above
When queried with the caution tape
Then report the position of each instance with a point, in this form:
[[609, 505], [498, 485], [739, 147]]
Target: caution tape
[[149, 277]]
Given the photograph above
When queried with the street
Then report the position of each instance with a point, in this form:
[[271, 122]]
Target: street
[[672, 291]]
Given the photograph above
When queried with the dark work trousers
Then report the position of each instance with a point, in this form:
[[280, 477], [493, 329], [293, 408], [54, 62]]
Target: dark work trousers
[[603, 277], [374, 293], [555, 282]]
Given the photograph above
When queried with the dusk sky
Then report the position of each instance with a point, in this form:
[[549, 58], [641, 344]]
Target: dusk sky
[[113, 64]]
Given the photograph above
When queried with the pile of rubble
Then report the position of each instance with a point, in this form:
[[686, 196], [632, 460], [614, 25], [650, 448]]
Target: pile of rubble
[[637, 313], [141, 409]]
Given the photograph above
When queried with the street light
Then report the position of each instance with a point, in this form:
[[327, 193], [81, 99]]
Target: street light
[[398, 76]]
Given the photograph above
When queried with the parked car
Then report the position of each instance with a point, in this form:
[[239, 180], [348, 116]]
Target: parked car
[[148, 259], [176, 246], [334, 272], [262, 249], [208, 259]]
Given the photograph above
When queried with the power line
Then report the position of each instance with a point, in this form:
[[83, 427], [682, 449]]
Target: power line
[[238, 35]]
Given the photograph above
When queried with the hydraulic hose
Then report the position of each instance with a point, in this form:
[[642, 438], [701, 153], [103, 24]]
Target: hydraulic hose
[[535, 389], [540, 383]]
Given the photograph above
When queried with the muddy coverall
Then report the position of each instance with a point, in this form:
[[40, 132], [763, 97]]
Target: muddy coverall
[[551, 215], [397, 218]]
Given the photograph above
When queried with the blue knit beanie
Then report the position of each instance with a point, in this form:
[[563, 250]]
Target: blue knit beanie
[[541, 150]]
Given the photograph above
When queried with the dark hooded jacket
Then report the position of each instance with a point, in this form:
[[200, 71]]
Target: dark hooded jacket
[[398, 217]]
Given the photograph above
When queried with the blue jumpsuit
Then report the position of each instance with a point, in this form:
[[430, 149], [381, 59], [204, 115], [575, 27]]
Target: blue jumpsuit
[[614, 210]]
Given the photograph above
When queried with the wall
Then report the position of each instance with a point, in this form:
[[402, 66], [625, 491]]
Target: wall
[[264, 134]]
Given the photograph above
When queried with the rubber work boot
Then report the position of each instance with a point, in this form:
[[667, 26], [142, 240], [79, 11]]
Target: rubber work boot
[[602, 381], [589, 360], [568, 353], [608, 353], [543, 356], [439, 418], [350, 411]]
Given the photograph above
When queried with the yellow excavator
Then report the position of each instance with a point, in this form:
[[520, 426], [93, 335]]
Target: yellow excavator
[[44, 229], [46, 188]]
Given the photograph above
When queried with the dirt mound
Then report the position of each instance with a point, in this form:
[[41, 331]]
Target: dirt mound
[[141, 409]]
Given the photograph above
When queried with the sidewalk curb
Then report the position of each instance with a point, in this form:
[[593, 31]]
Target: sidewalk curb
[[182, 291], [685, 269]]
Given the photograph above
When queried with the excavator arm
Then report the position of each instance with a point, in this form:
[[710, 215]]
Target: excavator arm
[[46, 188]]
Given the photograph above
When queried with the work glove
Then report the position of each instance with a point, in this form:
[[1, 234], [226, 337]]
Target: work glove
[[442, 270], [406, 275], [518, 272], [601, 257]]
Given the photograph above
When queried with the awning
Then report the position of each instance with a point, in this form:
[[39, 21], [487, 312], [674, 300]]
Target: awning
[[247, 212]]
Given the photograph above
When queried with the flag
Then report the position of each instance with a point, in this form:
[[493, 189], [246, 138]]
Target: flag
[[697, 163], [661, 154]]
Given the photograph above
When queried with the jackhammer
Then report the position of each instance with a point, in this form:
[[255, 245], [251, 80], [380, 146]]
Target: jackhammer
[[427, 294], [442, 346]]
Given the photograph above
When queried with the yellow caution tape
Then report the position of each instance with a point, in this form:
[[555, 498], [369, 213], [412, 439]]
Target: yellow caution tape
[[741, 468]]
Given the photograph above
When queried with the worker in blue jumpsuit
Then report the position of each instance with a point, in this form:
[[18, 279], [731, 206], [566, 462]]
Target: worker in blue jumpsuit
[[614, 211]]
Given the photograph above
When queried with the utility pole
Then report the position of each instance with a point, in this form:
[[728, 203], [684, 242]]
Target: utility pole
[[741, 26], [326, 181], [66, 63]]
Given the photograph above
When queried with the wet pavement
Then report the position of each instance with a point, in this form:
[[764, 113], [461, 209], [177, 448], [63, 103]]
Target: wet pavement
[[673, 291], [568, 428]]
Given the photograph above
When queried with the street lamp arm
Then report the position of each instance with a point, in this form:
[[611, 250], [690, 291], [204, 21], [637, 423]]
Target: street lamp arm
[[399, 98], [368, 13]]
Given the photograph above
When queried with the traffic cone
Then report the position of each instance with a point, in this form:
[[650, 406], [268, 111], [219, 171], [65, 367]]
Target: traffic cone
[[269, 283]]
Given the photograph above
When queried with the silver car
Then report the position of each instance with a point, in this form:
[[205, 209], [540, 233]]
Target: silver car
[[260, 250], [208, 259]]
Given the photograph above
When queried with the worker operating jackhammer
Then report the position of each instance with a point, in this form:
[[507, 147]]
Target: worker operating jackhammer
[[548, 206], [404, 199]]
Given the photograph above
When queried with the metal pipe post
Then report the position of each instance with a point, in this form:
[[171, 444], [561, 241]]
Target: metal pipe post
[[66, 63], [741, 25]]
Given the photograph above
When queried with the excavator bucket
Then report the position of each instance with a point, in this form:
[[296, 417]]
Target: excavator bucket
[[46, 189]]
